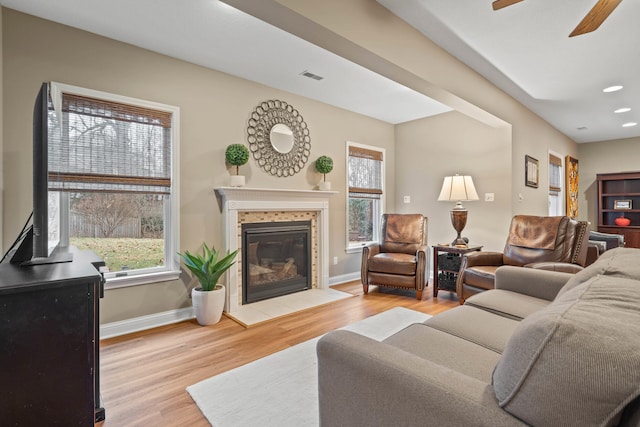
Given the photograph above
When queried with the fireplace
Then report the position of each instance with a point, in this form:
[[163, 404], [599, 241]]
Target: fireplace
[[242, 205], [277, 259]]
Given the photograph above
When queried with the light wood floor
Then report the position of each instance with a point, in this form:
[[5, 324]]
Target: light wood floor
[[144, 375]]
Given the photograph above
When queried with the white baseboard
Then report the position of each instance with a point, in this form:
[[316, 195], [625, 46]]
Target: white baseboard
[[344, 278], [136, 324], [123, 327]]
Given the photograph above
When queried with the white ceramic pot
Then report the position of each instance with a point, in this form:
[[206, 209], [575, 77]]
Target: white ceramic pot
[[324, 185], [237, 181], [208, 305]]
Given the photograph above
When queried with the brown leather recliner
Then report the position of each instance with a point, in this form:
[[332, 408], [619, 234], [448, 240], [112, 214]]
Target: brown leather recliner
[[400, 259], [545, 242]]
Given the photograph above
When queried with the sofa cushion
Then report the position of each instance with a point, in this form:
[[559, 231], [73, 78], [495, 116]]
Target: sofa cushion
[[506, 303], [618, 262], [556, 371], [446, 350], [475, 325]]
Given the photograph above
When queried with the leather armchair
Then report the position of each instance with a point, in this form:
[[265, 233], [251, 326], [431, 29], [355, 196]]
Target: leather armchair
[[601, 242], [400, 259], [550, 243]]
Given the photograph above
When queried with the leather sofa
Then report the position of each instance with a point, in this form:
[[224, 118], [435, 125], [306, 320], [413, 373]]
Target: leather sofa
[[543, 242], [543, 348]]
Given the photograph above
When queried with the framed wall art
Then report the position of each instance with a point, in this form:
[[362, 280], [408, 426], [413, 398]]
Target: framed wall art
[[531, 171], [571, 182], [622, 204]]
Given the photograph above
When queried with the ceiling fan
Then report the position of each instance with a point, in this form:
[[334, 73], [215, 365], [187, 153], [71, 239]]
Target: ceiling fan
[[590, 22]]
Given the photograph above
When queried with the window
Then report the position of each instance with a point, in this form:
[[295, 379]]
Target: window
[[365, 199], [112, 160], [556, 201]]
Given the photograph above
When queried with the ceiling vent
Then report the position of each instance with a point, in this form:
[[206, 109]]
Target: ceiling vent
[[311, 75]]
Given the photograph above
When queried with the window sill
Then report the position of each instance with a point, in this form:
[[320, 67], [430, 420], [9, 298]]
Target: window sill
[[356, 248], [141, 279]]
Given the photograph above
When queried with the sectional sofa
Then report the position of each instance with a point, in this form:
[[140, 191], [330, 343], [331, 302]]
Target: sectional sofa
[[544, 348]]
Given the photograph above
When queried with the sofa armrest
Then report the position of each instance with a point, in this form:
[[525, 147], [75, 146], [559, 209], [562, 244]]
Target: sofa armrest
[[363, 382], [529, 281], [483, 258], [556, 266]]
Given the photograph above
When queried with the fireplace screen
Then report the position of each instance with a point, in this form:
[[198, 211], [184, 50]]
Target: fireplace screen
[[276, 259]]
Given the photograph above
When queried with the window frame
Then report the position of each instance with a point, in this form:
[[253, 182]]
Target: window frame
[[556, 194], [171, 269], [380, 208]]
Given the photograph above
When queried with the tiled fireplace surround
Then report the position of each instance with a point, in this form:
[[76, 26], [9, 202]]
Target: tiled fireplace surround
[[242, 205]]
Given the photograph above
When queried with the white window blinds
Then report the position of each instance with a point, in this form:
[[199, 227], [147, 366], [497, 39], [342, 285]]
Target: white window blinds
[[365, 170], [101, 145]]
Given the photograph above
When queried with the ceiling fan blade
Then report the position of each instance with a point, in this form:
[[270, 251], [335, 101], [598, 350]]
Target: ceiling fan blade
[[595, 17], [499, 4]]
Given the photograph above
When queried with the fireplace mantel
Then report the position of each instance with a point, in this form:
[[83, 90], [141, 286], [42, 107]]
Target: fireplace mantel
[[244, 199]]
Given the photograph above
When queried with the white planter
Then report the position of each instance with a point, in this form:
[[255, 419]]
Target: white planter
[[208, 305], [324, 185], [237, 181]]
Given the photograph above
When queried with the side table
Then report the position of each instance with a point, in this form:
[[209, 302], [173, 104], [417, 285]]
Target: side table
[[446, 266]]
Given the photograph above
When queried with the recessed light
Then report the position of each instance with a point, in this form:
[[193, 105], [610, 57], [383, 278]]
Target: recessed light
[[628, 125], [612, 88], [582, 128], [622, 110]]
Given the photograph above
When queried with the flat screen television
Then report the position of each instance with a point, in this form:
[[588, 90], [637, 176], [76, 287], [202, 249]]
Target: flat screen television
[[39, 243]]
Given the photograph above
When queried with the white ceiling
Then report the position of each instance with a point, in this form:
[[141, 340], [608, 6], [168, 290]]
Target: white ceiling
[[215, 35], [524, 49]]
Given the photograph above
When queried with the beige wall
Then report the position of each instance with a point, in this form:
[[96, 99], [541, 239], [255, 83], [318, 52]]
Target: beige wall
[[621, 155], [448, 144], [215, 107], [367, 33], [214, 112]]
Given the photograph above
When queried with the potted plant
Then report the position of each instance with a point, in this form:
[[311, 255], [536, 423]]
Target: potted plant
[[237, 155], [324, 165], [208, 298]]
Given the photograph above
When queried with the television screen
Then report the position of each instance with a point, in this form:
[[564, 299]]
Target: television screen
[[40, 243]]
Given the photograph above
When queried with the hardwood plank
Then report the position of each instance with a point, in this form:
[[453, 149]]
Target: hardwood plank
[[144, 375]]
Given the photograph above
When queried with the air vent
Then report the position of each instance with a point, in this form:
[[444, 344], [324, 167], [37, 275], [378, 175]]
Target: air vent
[[582, 128], [311, 75]]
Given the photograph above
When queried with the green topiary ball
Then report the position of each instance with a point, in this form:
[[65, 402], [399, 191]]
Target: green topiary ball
[[324, 164], [237, 154]]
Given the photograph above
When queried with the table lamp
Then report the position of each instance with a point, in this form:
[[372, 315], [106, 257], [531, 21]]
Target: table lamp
[[459, 189]]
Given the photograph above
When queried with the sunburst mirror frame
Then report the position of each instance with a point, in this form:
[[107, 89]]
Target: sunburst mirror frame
[[267, 115]]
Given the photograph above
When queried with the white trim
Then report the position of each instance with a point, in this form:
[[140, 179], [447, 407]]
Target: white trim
[[142, 323], [243, 199], [562, 193], [171, 269], [344, 278], [128, 326], [352, 248], [141, 279]]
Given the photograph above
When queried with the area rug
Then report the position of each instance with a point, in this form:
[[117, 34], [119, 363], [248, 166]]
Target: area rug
[[281, 390]]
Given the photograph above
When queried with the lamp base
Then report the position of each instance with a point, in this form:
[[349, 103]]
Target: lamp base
[[459, 220]]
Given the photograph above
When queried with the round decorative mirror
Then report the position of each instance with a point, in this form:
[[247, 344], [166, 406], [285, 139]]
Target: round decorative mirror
[[278, 138], [281, 138]]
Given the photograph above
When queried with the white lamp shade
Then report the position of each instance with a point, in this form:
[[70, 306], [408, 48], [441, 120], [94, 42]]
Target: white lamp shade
[[458, 188]]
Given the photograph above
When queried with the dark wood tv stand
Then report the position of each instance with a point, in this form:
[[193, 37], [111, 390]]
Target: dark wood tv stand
[[49, 343]]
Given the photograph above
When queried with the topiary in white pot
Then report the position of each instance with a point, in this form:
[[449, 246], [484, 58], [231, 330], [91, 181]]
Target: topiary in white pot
[[208, 298], [324, 165], [237, 155]]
